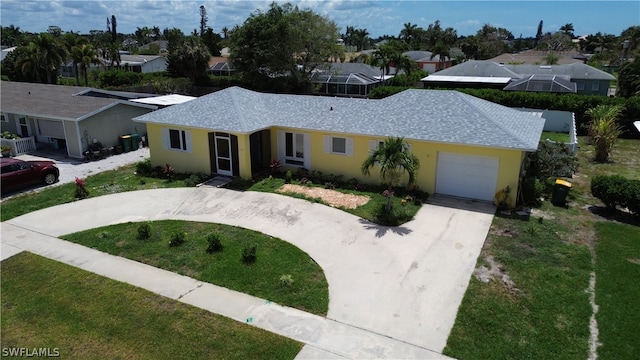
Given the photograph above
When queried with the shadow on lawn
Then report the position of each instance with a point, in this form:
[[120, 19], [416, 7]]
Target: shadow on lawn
[[615, 215]]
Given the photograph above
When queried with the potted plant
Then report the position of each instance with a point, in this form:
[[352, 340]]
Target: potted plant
[[5, 150]]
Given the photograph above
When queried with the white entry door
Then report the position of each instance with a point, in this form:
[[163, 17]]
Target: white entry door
[[223, 154], [468, 176]]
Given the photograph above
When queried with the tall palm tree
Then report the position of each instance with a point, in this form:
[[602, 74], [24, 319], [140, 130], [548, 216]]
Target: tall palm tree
[[567, 29], [51, 54], [31, 64], [442, 51], [88, 56], [360, 37], [394, 159], [71, 40], [407, 34], [603, 129]]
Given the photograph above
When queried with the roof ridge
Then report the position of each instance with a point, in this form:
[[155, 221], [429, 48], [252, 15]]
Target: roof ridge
[[466, 98]]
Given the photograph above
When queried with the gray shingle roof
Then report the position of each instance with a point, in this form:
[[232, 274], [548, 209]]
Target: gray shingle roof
[[486, 68], [429, 115], [53, 101]]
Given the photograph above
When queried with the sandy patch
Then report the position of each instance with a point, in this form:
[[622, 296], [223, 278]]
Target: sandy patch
[[331, 197]]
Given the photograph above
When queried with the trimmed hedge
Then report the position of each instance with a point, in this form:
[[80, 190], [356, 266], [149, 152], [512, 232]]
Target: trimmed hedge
[[615, 190]]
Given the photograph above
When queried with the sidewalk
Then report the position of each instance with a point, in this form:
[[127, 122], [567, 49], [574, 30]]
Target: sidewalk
[[324, 338]]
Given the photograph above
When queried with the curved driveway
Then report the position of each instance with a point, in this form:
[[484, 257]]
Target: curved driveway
[[403, 282]]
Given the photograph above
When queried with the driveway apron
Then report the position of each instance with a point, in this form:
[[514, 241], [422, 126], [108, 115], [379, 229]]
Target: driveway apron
[[403, 282]]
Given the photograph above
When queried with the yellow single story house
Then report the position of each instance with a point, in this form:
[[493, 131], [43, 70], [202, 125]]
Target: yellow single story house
[[468, 147]]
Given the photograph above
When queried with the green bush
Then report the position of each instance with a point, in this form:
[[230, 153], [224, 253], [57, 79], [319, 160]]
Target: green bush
[[144, 168], [177, 239], [249, 253], [214, 242], [615, 190], [144, 231], [116, 78]]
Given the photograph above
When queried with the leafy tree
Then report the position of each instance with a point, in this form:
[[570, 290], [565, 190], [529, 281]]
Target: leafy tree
[[203, 20], [394, 159], [603, 129], [45, 53], [212, 41], [11, 36], [538, 34], [70, 41], [443, 52], [629, 79], [190, 59], [278, 49], [555, 42]]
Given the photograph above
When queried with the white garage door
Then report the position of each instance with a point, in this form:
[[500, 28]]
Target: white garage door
[[467, 176]]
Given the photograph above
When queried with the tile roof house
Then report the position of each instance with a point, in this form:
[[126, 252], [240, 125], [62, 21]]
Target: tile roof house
[[467, 146], [69, 117], [488, 74], [427, 61]]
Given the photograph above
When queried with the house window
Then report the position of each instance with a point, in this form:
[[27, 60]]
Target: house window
[[595, 86], [178, 140], [4, 118], [294, 148], [338, 145], [580, 85]]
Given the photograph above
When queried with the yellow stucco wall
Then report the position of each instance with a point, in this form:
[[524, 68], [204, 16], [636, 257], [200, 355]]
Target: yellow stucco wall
[[427, 153], [185, 162]]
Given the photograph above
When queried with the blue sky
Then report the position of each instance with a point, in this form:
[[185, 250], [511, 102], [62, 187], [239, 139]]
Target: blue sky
[[378, 17]]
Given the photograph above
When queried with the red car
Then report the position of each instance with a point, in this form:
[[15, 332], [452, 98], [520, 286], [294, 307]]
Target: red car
[[18, 173]]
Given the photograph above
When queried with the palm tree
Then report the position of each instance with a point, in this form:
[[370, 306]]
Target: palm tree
[[87, 56], [394, 159], [567, 29], [442, 51], [360, 37], [50, 53], [31, 64], [70, 41], [603, 129], [407, 34]]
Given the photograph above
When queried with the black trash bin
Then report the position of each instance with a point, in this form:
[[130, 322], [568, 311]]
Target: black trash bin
[[560, 192], [125, 142], [135, 142]]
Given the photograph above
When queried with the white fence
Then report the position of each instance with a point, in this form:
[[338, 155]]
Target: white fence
[[20, 146]]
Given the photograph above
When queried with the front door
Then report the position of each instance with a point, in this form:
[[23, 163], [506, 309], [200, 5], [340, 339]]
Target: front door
[[223, 154], [23, 125]]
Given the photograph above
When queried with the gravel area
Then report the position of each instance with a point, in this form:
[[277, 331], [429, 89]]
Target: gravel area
[[331, 197]]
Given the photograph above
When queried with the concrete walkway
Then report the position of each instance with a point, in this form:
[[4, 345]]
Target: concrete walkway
[[394, 292]]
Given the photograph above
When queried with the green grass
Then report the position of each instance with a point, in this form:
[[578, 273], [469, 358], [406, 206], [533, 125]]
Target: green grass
[[555, 136], [617, 290], [107, 182], [543, 315], [372, 210], [550, 264], [86, 316], [309, 291]]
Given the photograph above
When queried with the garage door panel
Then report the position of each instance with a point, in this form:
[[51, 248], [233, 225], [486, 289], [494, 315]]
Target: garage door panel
[[467, 176], [51, 128]]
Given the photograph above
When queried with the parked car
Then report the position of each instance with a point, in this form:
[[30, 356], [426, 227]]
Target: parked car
[[18, 173]]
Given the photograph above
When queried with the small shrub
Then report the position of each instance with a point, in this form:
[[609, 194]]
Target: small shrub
[[286, 280], [329, 185], [144, 168], [177, 239], [81, 191], [616, 190], [304, 181], [249, 253], [274, 165], [215, 243], [168, 171], [144, 231], [288, 177], [192, 180]]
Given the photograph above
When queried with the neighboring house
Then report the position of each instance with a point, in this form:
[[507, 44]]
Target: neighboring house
[[347, 79], [69, 117], [467, 146], [162, 45], [427, 61], [134, 63], [220, 66], [488, 74]]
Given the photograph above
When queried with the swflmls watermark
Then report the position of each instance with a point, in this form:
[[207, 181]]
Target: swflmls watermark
[[30, 352]]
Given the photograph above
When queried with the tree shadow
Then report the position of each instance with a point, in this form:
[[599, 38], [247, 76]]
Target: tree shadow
[[381, 230], [615, 215]]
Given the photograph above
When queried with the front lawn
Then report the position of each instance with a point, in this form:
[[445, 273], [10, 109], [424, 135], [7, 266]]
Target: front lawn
[[617, 290], [536, 303], [262, 278], [555, 136], [85, 316]]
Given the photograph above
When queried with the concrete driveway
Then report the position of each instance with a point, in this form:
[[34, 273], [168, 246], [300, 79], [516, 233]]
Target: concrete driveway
[[403, 282]]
